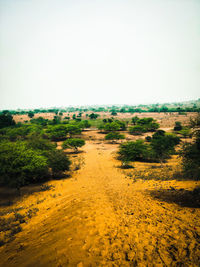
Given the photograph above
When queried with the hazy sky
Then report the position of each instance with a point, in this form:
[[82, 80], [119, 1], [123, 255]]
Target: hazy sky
[[60, 52]]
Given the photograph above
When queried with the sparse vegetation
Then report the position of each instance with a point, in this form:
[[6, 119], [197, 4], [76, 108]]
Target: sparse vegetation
[[190, 152], [160, 147]]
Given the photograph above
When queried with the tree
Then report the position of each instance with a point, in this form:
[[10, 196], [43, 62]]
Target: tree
[[61, 131], [20, 165], [40, 121], [73, 143], [6, 120], [134, 120], [178, 126], [134, 151], [190, 152], [58, 162], [111, 127], [31, 114], [136, 130], [93, 116], [114, 136], [114, 113], [85, 124], [160, 147], [163, 144]]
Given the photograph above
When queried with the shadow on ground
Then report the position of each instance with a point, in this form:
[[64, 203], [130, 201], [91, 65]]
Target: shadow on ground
[[181, 197]]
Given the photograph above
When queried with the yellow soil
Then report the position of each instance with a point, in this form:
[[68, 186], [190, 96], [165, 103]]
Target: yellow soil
[[98, 217]]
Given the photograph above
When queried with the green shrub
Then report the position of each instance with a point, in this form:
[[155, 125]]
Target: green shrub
[[137, 130], [6, 120], [178, 126], [31, 114], [190, 152], [20, 164], [62, 131], [185, 132], [134, 151], [58, 162], [93, 116], [148, 138], [160, 147], [73, 143], [163, 144], [114, 136]]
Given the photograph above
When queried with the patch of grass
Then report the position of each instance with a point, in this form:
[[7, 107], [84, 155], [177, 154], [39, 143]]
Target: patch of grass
[[46, 187], [40, 200], [78, 163], [162, 173], [32, 212]]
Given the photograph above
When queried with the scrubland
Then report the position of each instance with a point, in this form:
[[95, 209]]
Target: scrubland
[[101, 214]]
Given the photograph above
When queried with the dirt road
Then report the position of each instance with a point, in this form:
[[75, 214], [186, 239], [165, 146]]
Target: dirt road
[[100, 218]]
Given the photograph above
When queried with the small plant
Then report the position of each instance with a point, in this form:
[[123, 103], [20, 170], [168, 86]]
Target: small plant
[[78, 163], [32, 212]]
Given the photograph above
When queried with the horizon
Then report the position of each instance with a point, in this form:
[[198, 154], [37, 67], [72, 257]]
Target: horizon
[[72, 53], [107, 105]]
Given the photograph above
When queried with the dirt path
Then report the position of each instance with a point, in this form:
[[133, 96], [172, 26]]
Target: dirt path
[[101, 218]]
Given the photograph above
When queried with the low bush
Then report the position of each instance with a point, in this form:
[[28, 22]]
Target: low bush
[[114, 136], [73, 143]]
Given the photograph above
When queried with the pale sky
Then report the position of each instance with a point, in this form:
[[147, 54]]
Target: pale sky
[[70, 52]]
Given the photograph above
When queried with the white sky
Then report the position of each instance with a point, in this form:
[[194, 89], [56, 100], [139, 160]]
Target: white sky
[[70, 52]]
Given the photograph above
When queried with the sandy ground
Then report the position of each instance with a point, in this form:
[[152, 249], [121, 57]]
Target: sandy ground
[[98, 217]]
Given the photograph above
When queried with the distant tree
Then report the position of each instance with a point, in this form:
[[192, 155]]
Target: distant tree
[[74, 116], [73, 143], [134, 120], [114, 136], [93, 116], [148, 138], [164, 109], [31, 114], [84, 124], [6, 120], [111, 127], [178, 126], [136, 130], [67, 118], [40, 121], [80, 115], [56, 120], [114, 113]]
